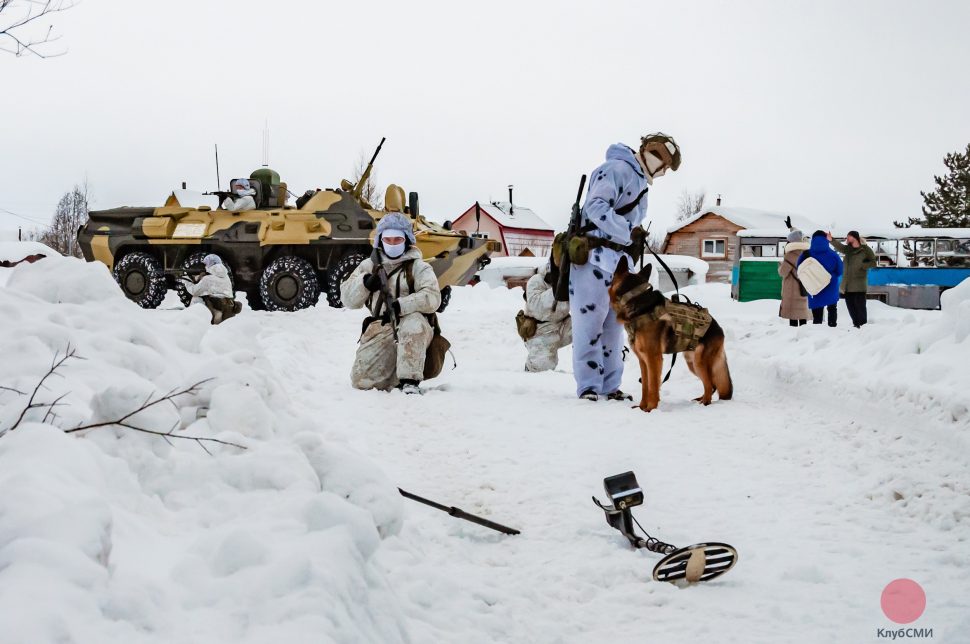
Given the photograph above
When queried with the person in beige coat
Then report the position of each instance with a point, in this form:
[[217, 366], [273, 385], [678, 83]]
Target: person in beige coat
[[383, 362], [794, 305]]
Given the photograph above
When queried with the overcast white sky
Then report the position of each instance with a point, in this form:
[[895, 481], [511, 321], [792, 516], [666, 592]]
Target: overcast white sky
[[841, 111]]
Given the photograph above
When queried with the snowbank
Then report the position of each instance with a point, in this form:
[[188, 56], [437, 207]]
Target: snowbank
[[117, 536], [14, 251]]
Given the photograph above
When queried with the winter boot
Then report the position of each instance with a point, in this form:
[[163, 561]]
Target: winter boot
[[410, 386], [589, 394], [619, 395]]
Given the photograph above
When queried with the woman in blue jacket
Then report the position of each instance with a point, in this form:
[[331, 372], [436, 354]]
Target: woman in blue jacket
[[828, 297]]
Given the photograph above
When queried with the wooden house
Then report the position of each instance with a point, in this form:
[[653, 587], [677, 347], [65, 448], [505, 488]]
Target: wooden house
[[521, 231], [712, 235]]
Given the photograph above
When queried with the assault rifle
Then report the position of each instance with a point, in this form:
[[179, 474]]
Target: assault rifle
[[192, 271], [386, 300], [561, 290]]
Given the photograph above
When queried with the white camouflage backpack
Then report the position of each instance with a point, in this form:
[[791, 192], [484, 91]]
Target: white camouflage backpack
[[813, 276]]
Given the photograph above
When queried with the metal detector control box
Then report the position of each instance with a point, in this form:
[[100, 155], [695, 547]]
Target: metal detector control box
[[623, 490]]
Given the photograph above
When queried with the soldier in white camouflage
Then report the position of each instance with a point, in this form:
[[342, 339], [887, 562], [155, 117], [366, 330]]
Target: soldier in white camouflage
[[383, 362], [553, 327]]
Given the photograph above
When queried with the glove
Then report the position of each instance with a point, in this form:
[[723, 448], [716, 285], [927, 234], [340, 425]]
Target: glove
[[788, 221], [372, 282]]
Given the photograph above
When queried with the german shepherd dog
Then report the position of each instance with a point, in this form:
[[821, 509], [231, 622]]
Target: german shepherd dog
[[652, 339]]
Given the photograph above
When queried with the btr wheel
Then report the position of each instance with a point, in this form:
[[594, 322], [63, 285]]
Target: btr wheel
[[289, 284], [336, 276], [141, 279], [195, 261], [445, 298]]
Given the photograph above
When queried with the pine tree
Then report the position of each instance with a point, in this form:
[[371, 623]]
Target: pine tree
[[949, 205]]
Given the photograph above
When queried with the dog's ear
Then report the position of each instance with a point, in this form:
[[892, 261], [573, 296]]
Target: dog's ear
[[622, 268], [646, 271]]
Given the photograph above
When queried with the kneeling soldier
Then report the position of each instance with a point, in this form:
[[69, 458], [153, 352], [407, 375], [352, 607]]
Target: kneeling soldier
[[214, 289], [396, 336], [550, 328]]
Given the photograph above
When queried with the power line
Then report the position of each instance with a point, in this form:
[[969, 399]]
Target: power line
[[25, 218]]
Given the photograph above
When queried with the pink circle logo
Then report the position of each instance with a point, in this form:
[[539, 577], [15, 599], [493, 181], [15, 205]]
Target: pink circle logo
[[903, 601]]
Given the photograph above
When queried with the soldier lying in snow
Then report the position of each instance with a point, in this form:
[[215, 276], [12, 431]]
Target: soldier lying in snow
[[214, 289], [550, 328], [383, 362]]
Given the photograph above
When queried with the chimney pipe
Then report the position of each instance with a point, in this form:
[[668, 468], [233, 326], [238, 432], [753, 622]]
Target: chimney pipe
[[511, 207], [183, 185], [719, 200]]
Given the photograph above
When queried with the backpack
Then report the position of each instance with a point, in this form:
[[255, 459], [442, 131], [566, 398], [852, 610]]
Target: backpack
[[812, 275], [526, 325]]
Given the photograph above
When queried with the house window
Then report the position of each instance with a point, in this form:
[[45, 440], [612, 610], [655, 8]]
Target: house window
[[714, 248]]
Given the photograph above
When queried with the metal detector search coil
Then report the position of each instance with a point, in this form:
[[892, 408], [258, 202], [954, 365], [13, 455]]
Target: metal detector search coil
[[699, 562]]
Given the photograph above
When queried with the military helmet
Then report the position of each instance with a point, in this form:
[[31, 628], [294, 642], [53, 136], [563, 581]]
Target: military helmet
[[663, 147]]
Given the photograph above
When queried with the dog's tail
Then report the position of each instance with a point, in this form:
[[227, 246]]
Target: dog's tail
[[721, 375]]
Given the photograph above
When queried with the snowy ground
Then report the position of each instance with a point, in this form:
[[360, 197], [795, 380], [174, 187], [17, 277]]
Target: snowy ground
[[840, 465]]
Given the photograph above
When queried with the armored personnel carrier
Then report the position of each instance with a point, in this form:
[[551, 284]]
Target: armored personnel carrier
[[283, 257]]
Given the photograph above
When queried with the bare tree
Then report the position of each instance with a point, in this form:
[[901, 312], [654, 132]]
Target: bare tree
[[71, 213], [690, 204], [20, 33], [371, 192]]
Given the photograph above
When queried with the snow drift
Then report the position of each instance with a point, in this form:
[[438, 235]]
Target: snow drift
[[124, 537]]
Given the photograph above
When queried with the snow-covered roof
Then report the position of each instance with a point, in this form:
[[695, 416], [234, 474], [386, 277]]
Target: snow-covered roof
[[14, 251], [519, 217], [874, 233], [903, 233], [753, 219]]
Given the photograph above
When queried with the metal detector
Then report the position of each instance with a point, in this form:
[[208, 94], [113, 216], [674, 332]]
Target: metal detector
[[699, 562]]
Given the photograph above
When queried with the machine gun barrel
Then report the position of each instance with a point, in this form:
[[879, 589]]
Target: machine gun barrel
[[459, 513], [359, 186]]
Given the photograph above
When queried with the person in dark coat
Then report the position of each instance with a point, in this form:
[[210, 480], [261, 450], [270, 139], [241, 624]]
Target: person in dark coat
[[859, 258], [828, 297]]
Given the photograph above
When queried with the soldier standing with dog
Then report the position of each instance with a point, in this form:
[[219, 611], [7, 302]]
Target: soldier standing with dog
[[615, 206]]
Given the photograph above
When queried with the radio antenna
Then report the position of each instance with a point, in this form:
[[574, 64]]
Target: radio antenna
[[266, 144], [218, 181]]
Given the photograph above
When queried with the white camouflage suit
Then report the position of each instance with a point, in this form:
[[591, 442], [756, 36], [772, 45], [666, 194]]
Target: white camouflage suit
[[554, 330], [598, 346], [380, 364]]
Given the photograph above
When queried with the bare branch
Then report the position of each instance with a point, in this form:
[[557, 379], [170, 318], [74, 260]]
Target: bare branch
[[16, 391], [30, 10], [165, 435], [69, 353], [168, 397]]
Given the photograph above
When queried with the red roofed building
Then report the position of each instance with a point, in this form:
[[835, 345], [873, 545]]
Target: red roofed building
[[521, 231]]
